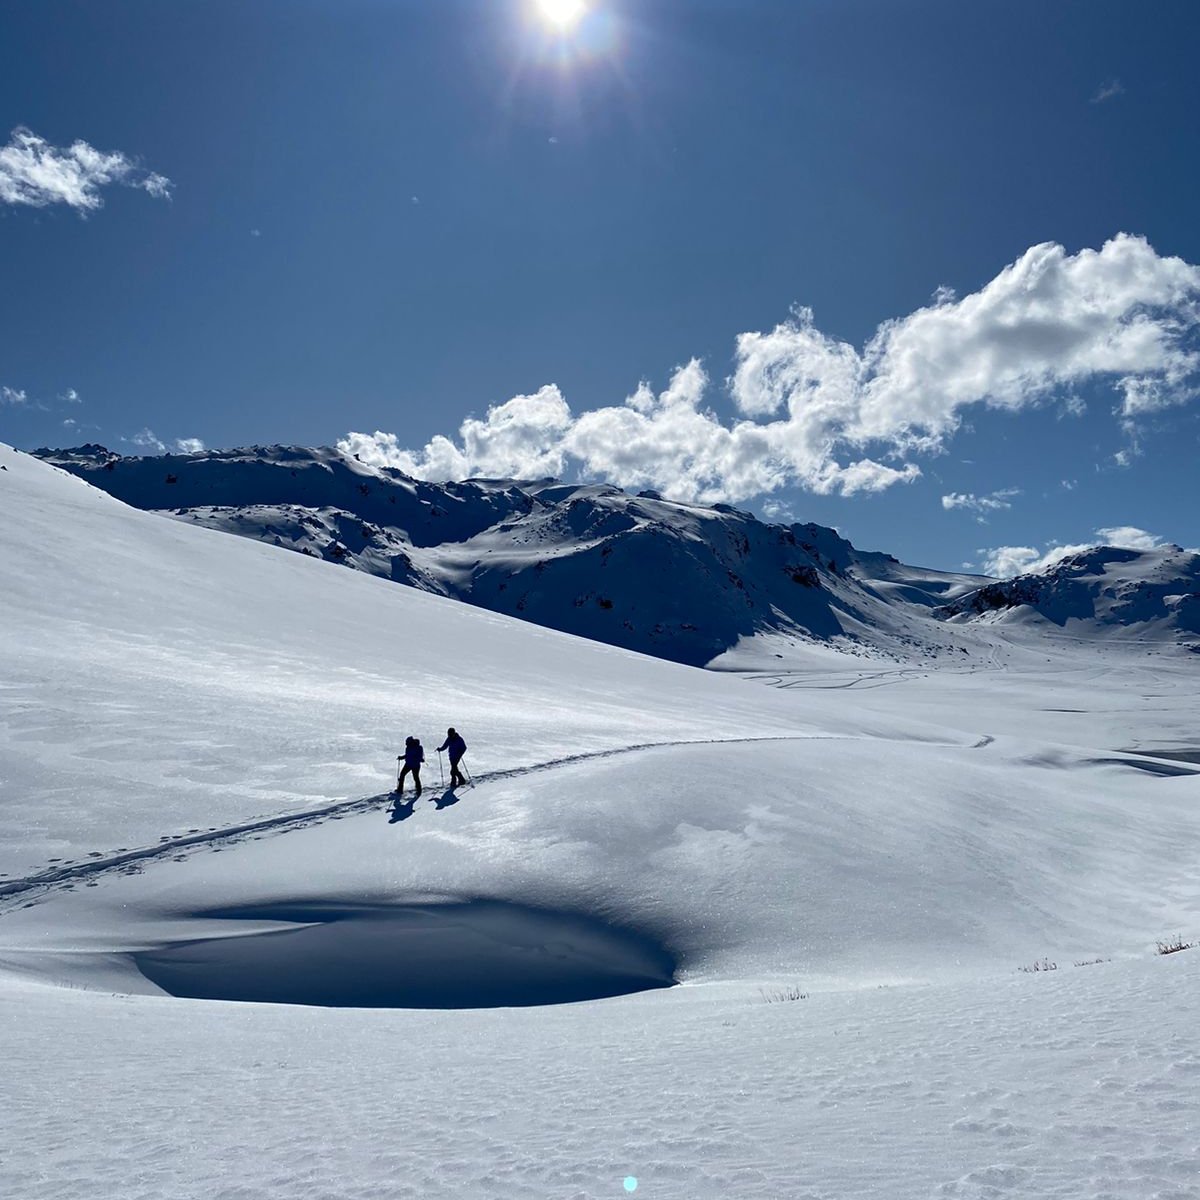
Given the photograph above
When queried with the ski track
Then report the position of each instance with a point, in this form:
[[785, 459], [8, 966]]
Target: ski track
[[32, 888]]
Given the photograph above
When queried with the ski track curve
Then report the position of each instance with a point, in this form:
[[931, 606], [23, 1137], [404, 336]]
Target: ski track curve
[[32, 888]]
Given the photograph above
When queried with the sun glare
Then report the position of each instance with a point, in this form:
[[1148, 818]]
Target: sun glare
[[562, 14]]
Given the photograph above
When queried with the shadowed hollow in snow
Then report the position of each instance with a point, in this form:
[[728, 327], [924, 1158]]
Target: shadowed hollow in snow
[[470, 954]]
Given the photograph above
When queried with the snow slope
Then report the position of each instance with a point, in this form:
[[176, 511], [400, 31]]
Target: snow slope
[[201, 729], [205, 680]]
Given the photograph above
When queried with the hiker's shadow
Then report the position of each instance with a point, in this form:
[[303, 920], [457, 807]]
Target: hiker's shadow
[[401, 810]]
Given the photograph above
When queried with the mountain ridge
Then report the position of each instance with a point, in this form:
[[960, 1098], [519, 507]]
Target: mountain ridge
[[680, 581]]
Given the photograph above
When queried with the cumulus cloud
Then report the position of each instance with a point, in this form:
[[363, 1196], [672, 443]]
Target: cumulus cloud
[[818, 413], [189, 446], [37, 174], [13, 397], [1007, 561], [993, 502]]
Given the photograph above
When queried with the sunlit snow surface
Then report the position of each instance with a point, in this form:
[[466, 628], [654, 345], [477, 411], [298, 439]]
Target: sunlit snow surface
[[201, 730]]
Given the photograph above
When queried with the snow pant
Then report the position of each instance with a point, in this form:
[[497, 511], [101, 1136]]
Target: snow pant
[[416, 774], [456, 776]]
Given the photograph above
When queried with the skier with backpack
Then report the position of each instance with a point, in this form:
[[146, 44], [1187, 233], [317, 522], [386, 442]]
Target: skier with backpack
[[413, 757], [456, 747]]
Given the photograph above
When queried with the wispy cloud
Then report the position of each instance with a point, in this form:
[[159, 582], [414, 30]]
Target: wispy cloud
[[820, 414], [37, 174], [20, 398], [993, 502], [1007, 561], [776, 510], [147, 439], [1108, 90]]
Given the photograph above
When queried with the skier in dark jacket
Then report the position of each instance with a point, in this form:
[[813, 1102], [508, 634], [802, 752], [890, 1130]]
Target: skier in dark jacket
[[457, 748], [414, 756]]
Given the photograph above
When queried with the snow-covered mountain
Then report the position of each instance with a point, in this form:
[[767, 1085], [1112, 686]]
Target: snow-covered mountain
[[1141, 592], [694, 584], [680, 581]]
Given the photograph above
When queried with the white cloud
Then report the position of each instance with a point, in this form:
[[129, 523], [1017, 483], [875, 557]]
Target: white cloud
[[70, 396], [818, 413], [13, 397], [981, 504], [776, 510], [1007, 561], [1129, 537], [1127, 456], [147, 439], [1107, 90], [35, 173]]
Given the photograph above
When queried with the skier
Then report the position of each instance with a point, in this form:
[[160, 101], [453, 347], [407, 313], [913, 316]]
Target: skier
[[414, 756], [457, 748]]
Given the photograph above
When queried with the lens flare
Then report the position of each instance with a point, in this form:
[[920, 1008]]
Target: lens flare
[[562, 14]]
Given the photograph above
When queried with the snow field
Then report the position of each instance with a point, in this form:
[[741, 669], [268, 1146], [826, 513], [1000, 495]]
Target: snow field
[[901, 843], [1079, 1084]]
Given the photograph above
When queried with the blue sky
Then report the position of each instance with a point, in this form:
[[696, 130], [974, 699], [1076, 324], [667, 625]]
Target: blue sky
[[319, 219]]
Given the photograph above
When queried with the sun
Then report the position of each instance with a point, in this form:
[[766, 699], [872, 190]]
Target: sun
[[562, 14]]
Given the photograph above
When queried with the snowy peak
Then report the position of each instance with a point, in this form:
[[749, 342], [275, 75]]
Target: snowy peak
[[1142, 590]]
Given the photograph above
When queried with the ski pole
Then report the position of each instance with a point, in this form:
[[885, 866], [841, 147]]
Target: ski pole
[[399, 760], [442, 769], [463, 764]]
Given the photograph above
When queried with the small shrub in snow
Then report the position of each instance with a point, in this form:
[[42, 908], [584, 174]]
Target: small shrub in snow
[[779, 995], [1091, 962], [1040, 964], [1173, 945]]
